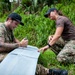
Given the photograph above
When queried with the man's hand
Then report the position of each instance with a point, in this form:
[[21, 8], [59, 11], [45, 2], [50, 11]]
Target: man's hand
[[43, 49], [50, 38], [23, 43]]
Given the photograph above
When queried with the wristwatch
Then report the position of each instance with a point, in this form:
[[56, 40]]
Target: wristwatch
[[49, 45]]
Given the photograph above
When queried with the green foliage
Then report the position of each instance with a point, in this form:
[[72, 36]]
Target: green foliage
[[34, 5], [26, 3], [30, 5], [67, 2], [18, 10], [4, 7], [48, 59], [68, 11], [37, 28]]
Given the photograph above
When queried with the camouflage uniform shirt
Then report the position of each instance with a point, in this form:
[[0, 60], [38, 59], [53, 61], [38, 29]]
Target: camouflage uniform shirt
[[6, 35]]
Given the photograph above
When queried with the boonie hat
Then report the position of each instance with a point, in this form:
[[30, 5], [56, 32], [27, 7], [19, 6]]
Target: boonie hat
[[16, 17], [49, 11]]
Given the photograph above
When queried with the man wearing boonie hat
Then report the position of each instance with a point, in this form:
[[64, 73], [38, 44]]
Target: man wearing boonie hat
[[7, 40]]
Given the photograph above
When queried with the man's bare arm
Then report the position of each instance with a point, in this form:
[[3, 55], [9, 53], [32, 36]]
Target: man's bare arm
[[7, 47], [16, 40]]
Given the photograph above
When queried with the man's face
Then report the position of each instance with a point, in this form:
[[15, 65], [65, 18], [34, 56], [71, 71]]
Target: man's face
[[52, 15], [13, 24]]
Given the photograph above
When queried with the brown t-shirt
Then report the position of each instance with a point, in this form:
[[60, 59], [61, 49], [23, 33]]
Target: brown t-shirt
[[69, 29]]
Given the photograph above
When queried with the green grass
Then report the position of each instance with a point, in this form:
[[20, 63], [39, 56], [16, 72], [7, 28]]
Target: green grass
[[48, 59]]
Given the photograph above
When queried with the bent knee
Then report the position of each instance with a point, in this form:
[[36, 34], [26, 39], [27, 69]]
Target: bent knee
[[61, 58]]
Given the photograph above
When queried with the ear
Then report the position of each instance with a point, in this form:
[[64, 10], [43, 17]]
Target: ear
[[9, 18], [55, 11]]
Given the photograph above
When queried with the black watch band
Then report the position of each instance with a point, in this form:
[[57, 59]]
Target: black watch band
[[49, 45]]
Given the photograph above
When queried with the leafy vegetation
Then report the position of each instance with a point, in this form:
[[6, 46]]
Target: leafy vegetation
[[37, 28], [48, 59]]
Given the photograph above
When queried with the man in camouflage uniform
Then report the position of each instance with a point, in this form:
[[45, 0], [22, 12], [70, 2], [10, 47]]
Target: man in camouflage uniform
[[7, 40], [62, 43]]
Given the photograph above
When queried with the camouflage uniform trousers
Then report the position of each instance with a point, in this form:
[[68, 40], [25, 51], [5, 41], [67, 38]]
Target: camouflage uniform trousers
[[2, 56], [65, 51]]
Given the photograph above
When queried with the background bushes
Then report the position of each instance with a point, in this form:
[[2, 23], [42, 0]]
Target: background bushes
[[37, 28]]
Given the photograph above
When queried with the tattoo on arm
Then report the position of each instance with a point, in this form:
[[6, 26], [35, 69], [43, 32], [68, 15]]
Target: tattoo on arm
[[8, 46]]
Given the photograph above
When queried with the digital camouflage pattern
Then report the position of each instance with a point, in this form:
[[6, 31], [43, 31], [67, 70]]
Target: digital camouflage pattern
[[67, 54], [65, 51], [41, 70], [5, 36]]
